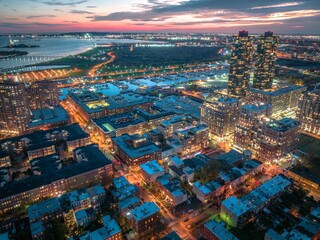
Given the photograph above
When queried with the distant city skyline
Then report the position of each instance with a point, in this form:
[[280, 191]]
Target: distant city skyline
[[212, 16]]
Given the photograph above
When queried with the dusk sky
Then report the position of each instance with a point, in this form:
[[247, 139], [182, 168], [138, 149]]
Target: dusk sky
[[220, 16]]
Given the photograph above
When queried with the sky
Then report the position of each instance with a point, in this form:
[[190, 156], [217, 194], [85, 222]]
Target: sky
[[211, 16]]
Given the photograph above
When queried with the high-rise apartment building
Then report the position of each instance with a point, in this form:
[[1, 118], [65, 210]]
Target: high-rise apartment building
[[221, 116], [265, 61], [240, 64], [14, 108], [43, 94], [308, 112]]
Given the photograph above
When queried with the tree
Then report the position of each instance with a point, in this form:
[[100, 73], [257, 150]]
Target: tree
[[209, 172]]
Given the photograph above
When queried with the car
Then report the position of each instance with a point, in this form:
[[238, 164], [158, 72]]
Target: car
[[186, 220]]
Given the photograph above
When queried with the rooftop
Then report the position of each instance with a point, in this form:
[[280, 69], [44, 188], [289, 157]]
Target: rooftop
[[39, 139], [180, 105], [274, 235], [109, 229], [125, 143], [208, 187], [171, 184], [191, 130], [146, 116], [257, 107], [37, 228], [219, 230], [176, 161], [37, 210], [258, 196], [235, 205], [123, 188], [227, 100], [95, 159], [92, 152], [128, 202], [283, 125], [279, 91], [112, 123], [230, 157], [95, 101], [144, 210], [46, 164], [171, 236], [48, 116], [174, 119], [151, 167]]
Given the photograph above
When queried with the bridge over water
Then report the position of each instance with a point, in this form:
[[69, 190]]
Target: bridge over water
[[17, 62]]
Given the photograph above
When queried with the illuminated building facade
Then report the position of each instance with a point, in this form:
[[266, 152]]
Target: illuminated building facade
[[240, 64], [190, 139], [50, 179], [275, 139], [135, 150], [43, 94], [221, 116], [15, 113], [265, 61], [249, 116], [281, 99], [308, 112], [144, 218]]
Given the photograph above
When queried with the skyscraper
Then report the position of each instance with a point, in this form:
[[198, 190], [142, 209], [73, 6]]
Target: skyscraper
[[14, 108], [265, 61], [240, 64], [43, 94]]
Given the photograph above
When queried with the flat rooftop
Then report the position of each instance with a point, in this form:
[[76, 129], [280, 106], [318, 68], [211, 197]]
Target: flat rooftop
[[230, 157], [144, 210], [279, 91], [95, 101], [48, 116], [171, 184], [128, 202], [258, 196], [151, 167], [257, 107], [147, 116], [111, 123], [95, 159], [227, 100], [123, 188], [180, 105], [174, 119], [92, 152], [208, 187], [235, 205], [125, 143], [219, 230], [171, 236], [283, 125], [37, 210], [39, 139]]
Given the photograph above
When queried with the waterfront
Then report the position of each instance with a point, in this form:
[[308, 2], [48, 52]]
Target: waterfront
[[52, 48], [210, 79]]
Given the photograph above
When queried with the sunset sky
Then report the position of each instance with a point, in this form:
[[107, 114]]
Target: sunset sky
[[160, 15]]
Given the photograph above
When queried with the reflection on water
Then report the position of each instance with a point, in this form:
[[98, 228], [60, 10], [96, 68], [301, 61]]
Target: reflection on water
[[111, 89], [52, 47]]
